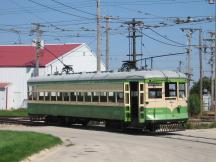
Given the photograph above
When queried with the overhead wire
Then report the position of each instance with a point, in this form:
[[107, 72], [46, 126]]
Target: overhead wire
[[162, 41], [73, 8], [170, 54], [166, 37], [54, 9]]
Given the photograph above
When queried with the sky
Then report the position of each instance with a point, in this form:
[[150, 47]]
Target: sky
[[74, 21]]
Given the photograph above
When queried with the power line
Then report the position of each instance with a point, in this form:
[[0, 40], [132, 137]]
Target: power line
[[51, 8], [170, 54], [73, 8], [166, 37], [162, 41]]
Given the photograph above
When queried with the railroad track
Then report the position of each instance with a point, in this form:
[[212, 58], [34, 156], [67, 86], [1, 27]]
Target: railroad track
[[190, 138], [19, 121]]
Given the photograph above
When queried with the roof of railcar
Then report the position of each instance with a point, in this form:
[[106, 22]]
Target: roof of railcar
[[132, 75]]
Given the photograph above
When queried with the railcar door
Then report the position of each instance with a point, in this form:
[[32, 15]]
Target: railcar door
[[127, 102], [134, 101], [141, 102]]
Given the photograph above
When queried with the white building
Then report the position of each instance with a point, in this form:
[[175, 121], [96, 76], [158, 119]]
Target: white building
[[17, 64]]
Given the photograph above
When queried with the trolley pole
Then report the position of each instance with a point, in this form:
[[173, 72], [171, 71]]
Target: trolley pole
[[98, 37], [180, 66]]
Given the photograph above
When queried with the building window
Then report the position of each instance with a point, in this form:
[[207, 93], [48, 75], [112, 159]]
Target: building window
[[182, 90], [155, 93], [170, 89]]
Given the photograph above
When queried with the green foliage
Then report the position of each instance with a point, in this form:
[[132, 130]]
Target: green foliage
[[206, 85], [17, 112], [194, 105], [16, 146]]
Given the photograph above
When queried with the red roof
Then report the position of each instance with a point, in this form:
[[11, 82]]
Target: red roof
[[24, 55], [3, 85]]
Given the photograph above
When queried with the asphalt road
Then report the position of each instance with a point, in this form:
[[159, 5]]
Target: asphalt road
[[83, 145]]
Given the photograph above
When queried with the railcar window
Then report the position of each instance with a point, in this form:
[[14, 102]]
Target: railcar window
[[141, 87], [80, 96], [111, 96], [126, 98], [73, 96], [170, 89], [155, 93], [95, 96], [34, 95], [154, 84], [59, 96], [30, 92], [30, 95], [126, 87], [66, 96], [182, 90], [87, 96], [41, 96], [53, 96], [103, 97], [47, 96], [120, 97], [141, 98]]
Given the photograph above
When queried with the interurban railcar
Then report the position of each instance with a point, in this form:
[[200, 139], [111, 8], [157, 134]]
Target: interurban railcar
[[141, 99]]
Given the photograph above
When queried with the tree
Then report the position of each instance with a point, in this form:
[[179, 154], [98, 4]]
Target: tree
[[194, 99], [194, 105], [206, 85]]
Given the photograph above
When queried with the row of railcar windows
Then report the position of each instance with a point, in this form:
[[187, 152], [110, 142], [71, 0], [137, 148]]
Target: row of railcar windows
[[77, 96], [170, 91]]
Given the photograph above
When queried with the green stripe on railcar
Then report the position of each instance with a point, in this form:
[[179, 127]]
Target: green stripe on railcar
[[166, 114], [85, 111]]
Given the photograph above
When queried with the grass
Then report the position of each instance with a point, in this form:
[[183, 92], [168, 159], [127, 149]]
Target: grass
[[201, 125], [16, 146], [17, 112]]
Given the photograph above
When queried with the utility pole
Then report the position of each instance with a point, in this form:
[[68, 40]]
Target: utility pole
[[189, 33], [212, 64], [201, 71], [37, 42], [107, 42], [133, 27], [98, 37]]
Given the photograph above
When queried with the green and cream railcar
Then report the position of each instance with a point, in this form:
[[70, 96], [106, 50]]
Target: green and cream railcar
[[136, 98]]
